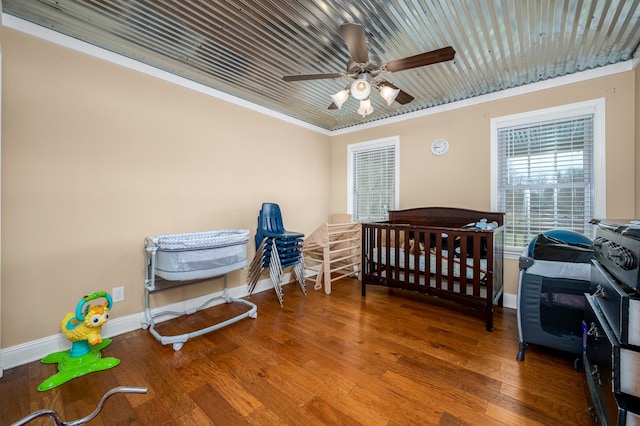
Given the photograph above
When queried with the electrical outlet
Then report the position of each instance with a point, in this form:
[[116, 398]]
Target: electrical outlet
[[117, 293]]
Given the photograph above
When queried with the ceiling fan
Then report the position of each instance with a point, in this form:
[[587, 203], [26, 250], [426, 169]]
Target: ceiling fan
[[365, 67]]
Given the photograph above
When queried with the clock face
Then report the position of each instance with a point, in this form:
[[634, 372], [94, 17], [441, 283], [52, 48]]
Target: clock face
[[439, 147]]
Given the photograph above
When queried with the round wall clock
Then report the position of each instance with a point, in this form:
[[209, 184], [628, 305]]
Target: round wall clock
[[439, 147]]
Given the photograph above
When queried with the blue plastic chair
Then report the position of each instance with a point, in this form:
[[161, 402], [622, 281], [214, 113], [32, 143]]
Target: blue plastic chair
[[271, 230], [270, 223], [276, 249]]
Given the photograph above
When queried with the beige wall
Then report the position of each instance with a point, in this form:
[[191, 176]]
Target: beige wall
[[96, 157], [462, 177]]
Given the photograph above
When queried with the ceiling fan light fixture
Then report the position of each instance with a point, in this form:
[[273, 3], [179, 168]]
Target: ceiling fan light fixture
[[365, 107], [389, 94], [361, 88], [365, 67], [340, 97]]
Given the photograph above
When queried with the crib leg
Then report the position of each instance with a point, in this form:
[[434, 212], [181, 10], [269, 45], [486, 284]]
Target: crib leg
[[489, 325], [489, 317]]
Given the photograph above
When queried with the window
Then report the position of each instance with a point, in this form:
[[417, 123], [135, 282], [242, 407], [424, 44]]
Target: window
[[548, 171], [373, 179]]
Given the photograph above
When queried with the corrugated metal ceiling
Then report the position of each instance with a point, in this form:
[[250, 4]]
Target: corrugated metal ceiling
[[245, 47]]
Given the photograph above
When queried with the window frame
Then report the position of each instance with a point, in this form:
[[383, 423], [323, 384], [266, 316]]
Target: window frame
[[595, 107], [394, 142]]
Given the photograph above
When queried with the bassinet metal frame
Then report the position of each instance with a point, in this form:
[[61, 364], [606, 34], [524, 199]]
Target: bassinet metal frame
[[152, 285]]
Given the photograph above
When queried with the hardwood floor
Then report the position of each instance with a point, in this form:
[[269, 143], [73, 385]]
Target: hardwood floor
[[388, 359]]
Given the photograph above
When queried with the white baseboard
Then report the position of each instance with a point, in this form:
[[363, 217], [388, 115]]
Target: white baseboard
[[510, 301], [35, 350]]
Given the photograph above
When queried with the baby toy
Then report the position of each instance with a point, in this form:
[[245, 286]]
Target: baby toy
[[89, 329], [82, 328]]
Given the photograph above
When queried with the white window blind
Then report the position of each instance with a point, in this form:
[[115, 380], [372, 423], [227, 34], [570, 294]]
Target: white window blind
[[545, 177], [373, 180]]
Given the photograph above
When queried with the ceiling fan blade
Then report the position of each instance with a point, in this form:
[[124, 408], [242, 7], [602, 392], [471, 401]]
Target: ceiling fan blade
[[300, 77], [402, 97], [422, 59], [356, 41]]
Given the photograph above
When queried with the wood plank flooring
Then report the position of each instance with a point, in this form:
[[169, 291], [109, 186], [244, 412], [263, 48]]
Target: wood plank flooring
[[392, 358]]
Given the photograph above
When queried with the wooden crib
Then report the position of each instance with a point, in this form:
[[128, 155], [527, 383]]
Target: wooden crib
[[452, 253]]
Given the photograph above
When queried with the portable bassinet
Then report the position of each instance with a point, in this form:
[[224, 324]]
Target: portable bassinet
[[198, 255], [180, 259], [555, 273]]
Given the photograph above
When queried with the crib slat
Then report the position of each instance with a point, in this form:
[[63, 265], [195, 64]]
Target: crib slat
[[417, 238], [462, 263], [438, 254]]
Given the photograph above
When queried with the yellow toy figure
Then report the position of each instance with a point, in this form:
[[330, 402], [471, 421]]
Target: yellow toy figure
[[82, 328], [89, 329]]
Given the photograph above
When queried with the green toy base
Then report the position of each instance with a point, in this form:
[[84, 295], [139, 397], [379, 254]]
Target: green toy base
[[70, 367]]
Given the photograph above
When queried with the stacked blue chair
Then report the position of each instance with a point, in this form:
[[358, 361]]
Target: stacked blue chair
[[276, 249]]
